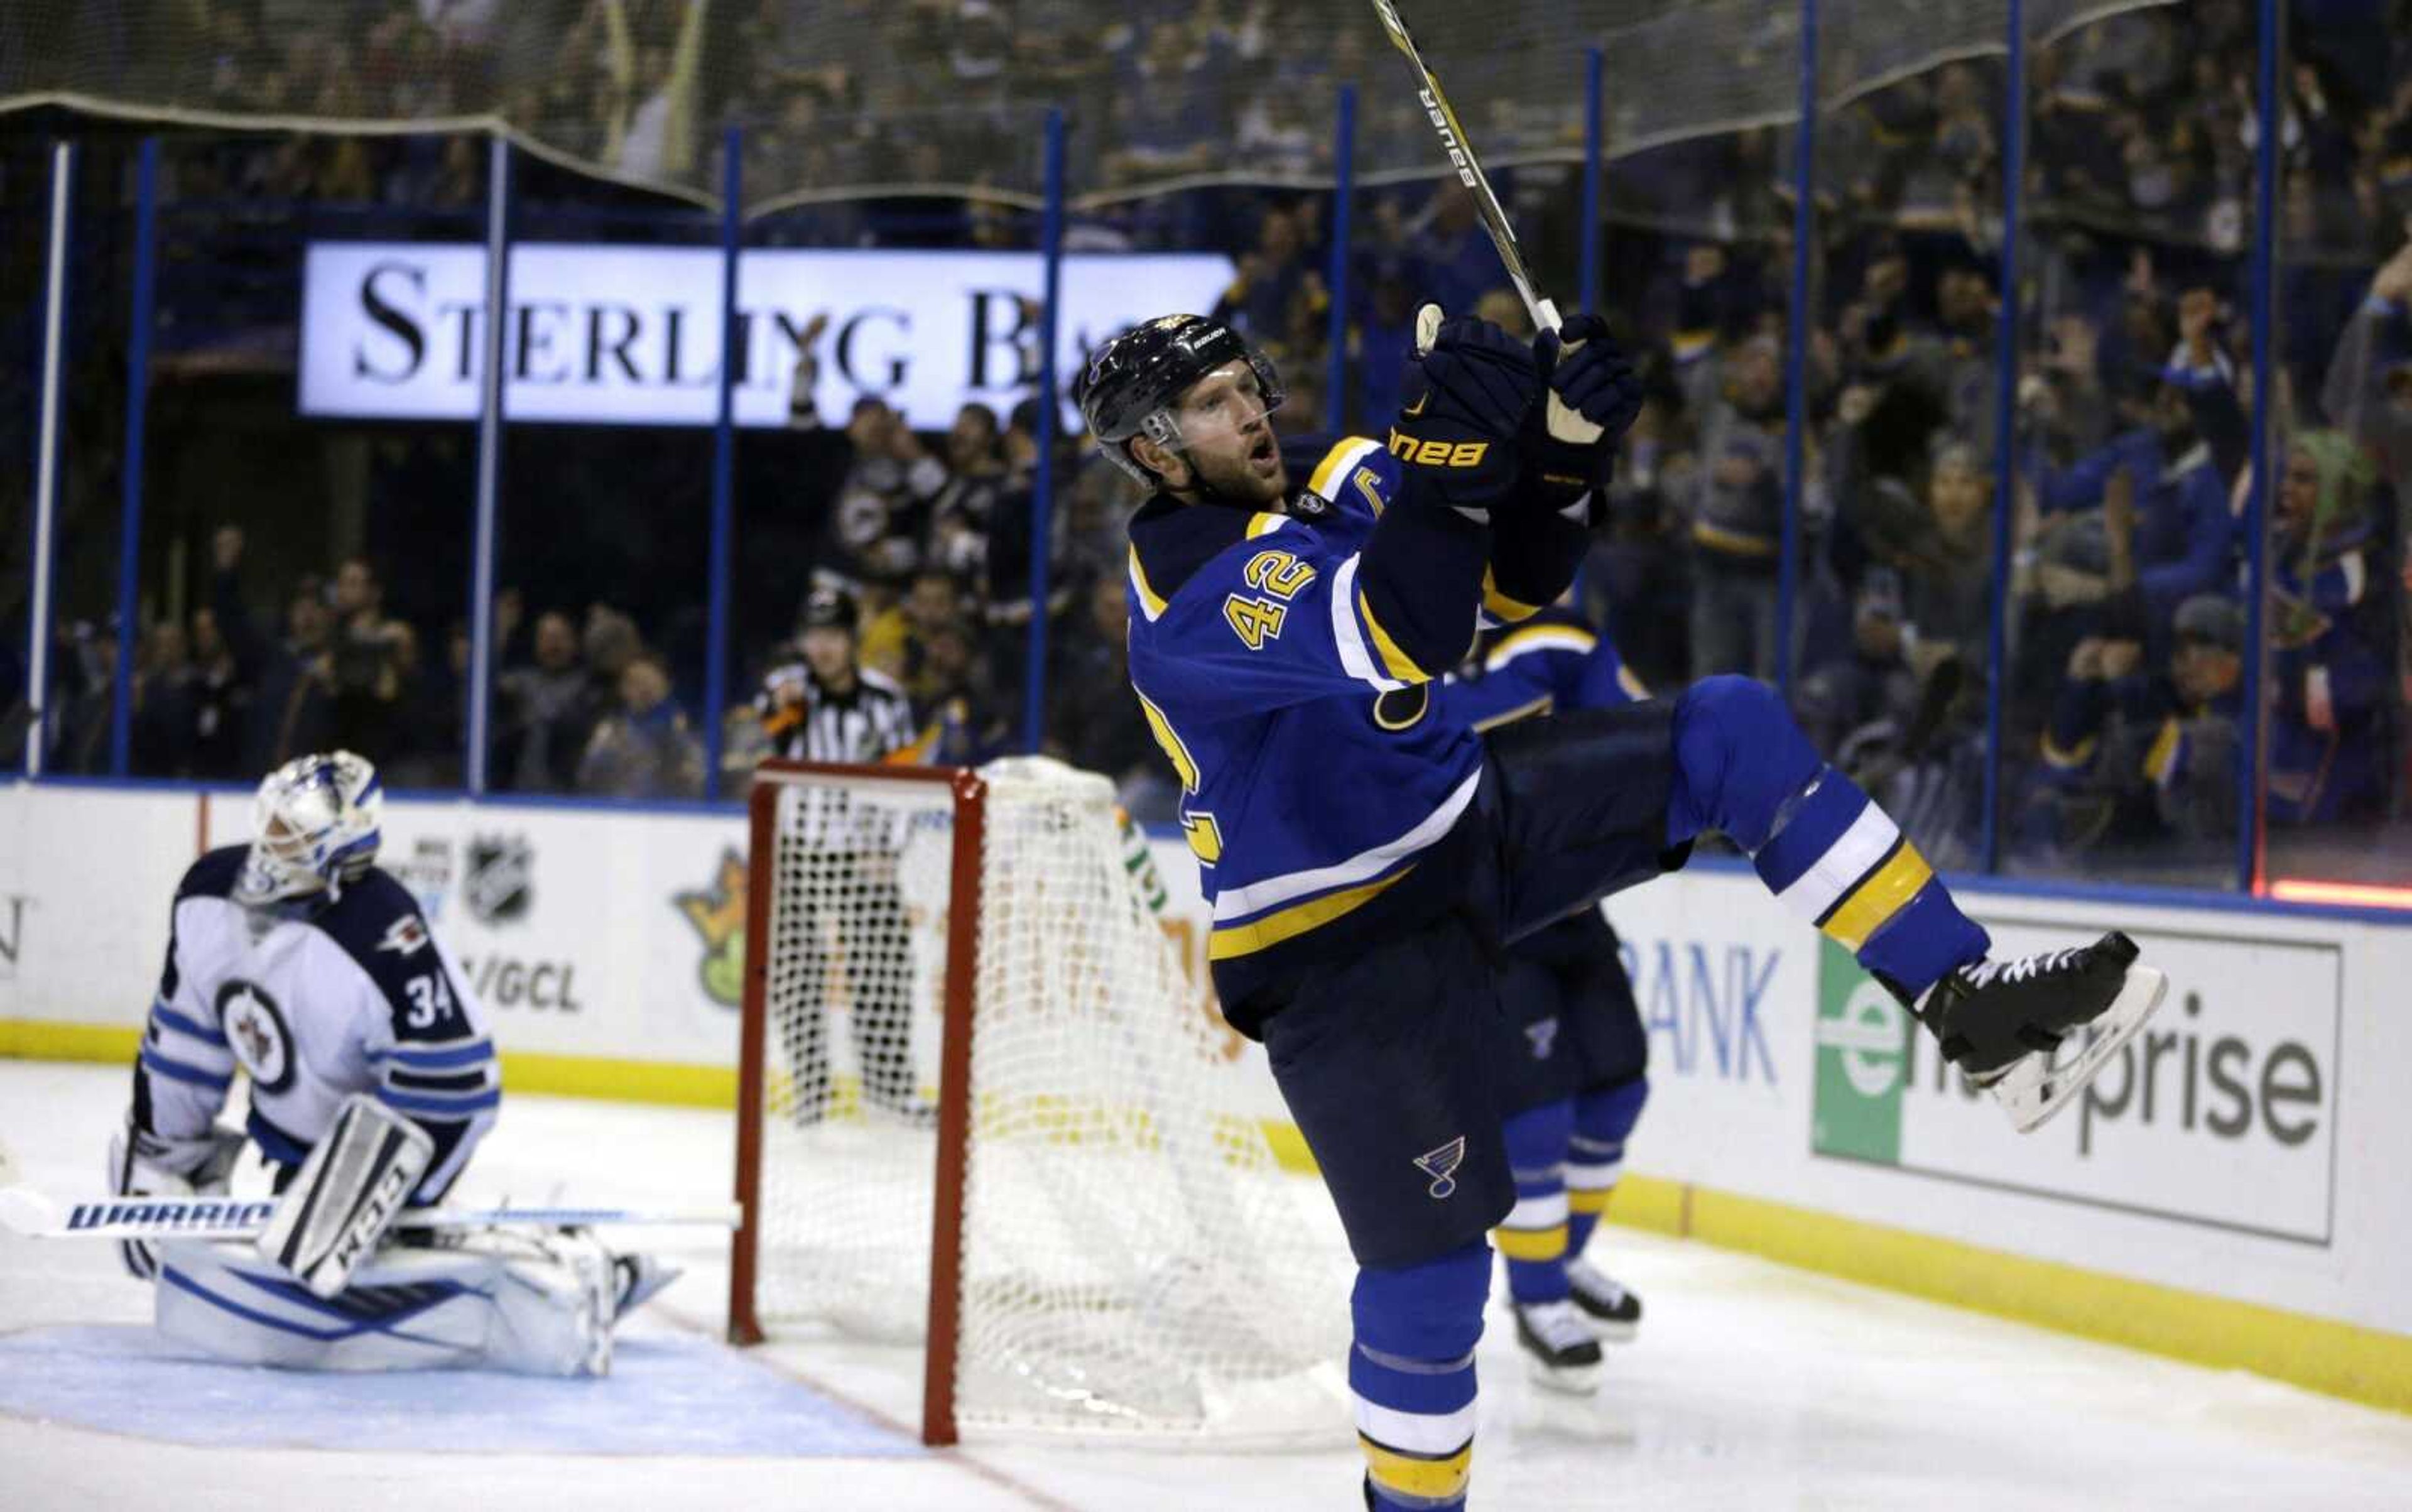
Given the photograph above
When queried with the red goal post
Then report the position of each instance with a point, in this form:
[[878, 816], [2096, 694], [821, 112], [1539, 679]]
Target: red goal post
[[971, 1053], [966, 794]]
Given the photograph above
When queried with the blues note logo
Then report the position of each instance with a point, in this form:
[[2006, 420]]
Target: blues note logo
[[1441, 1165]]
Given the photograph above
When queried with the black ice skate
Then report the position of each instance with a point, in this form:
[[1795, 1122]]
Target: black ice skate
[[2002, 1022], [1560, 1351], [1615, 1314]]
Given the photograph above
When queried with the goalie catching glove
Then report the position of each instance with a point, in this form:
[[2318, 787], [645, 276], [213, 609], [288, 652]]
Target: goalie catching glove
[[1593, 397], [145, 1165], [1470, 390]]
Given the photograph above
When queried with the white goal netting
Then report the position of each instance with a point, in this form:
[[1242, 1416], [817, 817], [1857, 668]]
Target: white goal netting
[[1133, 1258]]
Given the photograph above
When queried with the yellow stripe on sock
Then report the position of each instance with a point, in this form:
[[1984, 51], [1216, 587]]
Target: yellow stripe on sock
[[1593, 1200], [1532, 1244], [1430, 1481], [1878, 898]]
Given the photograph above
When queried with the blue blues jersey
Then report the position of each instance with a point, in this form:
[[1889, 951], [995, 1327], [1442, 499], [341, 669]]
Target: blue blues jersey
[[1286, 663], [1551, 662]]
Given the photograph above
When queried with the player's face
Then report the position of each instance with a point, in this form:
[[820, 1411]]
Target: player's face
[[1227, 437]]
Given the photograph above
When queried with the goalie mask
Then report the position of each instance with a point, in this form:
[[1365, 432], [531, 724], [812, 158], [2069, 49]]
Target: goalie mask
[[315, 828], [1134, 382]]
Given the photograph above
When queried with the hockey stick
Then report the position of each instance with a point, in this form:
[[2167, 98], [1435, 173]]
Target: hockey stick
[[32, 1214], [1469, 170]]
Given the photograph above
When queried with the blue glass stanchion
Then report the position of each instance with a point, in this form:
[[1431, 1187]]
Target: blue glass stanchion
[[1595, 143], [46, 453], [1042, 495], [1796, 350], [138, 414], [2267, 40], [723, 456], [2006, 383], [482, 650], [1344, 180]]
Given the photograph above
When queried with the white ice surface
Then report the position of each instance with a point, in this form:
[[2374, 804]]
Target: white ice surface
[[1753, 1385]]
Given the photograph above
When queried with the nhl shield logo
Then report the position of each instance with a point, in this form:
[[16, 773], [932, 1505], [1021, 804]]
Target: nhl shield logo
[[499, 877], [1441, 1165], [256, 1032]]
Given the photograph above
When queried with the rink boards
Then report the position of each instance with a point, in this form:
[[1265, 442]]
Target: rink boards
[[2230, 1192]]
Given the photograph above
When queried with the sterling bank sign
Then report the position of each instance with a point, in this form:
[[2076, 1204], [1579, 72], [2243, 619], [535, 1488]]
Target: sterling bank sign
[[620, 334]]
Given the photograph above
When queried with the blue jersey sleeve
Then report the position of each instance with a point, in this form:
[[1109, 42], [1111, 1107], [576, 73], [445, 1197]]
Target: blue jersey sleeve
[[430, 1044], [1554, 664]]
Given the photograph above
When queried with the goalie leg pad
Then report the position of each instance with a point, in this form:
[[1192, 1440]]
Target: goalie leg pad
[[526, 1304], [346, 1195]]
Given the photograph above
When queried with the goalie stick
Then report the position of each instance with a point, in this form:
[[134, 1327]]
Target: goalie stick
[[1469, 170], [32, 1214]]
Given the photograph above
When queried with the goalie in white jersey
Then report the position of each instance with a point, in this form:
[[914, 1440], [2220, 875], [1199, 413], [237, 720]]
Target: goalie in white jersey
[[373, 1077]]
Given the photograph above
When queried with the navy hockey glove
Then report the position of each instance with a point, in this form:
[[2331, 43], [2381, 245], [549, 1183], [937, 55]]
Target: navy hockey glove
[[1471, 390], [1595, 394]]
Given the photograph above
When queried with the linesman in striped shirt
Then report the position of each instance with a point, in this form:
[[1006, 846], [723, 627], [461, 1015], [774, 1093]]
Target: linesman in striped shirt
[[826, 706]]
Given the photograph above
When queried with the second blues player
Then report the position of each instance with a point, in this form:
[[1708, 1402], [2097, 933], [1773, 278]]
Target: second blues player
[[1576, 1062], [1365, 853]]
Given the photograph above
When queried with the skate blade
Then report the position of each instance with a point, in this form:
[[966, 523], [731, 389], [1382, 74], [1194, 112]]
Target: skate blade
[[2034, 1089], [1566, 1380]]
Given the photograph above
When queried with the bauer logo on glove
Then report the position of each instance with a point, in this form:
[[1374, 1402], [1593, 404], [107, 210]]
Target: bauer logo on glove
[[1470, 388], [1436, 453]]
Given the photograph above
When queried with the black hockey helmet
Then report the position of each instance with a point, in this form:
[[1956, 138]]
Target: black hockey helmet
[[1131, 384], [831, 608]]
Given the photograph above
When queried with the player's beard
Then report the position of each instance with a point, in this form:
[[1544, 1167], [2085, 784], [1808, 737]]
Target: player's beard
[[1253, 477]]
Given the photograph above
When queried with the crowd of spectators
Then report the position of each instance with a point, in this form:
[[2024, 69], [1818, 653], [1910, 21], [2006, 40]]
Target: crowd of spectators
[[2129, 427]]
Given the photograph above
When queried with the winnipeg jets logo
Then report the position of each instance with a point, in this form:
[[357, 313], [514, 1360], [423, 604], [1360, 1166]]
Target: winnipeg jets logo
[[404, 935], [1544, 1037], [1441, 1165], [256, 1032]]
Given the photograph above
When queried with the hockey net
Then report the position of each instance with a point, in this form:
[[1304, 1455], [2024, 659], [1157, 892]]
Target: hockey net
[[982, 1110]]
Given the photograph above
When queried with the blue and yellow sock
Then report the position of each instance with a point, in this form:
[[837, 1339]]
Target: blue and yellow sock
[[1411, 1371], [1838, 862], [1744, 768], [1604, 1120], [1533, 1236]]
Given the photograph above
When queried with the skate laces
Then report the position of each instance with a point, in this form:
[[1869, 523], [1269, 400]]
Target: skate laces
[[2022, 968], [1587, 1277], [1556, 1324]]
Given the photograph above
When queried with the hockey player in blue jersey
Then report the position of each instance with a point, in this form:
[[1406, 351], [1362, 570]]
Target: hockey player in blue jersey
[[373, 1077], [1576, 1058], [1365, 853]]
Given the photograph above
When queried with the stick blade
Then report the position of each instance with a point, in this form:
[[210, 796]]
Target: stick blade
[[27, 1213]]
